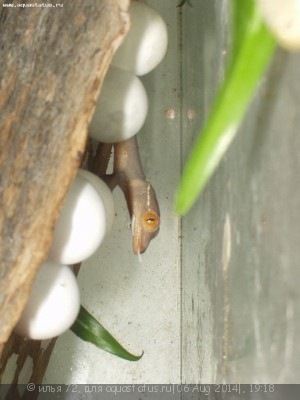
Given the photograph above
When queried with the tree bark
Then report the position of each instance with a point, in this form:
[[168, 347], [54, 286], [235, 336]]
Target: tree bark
[[53, 61]]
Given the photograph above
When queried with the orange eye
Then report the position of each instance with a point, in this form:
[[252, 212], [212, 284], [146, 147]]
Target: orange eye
[[151, 220]]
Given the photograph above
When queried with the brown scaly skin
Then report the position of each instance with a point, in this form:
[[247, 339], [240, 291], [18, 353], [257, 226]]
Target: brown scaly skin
[[139, 194]]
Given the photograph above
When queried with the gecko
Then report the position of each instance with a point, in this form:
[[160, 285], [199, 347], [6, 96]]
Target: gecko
[[140, 196]]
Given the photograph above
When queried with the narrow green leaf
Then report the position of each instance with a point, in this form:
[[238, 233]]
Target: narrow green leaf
[[90, 330], [253, 46]]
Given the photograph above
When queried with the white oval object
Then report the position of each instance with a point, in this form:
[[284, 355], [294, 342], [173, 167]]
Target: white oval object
[[53, 304], [121, 109], [81, 226], [283, 19], [146, 42], [105, 194]]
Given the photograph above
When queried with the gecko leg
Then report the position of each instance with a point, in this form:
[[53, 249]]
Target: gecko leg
[[98, 164]]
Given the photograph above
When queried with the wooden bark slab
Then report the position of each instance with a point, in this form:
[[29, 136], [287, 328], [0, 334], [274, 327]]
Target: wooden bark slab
[[53, 61]]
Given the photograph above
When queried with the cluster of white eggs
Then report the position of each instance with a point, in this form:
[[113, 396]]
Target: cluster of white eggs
[[88, 210], [123, 105]]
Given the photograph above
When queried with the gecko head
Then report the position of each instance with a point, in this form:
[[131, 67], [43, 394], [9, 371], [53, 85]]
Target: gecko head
[[144, 229]]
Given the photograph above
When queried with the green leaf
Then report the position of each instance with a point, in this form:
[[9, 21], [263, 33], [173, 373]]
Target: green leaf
[[253, 46], [90, 330]]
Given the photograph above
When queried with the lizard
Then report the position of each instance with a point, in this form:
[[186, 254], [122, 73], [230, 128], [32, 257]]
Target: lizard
[[140, 196]]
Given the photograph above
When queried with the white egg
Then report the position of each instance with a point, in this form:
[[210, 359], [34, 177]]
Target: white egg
[[105, 194], [283, 19], [53, 304], [121, 109], [81, 226], [146, 42]]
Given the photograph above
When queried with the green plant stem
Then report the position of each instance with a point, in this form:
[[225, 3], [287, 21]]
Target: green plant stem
[[253, 46]]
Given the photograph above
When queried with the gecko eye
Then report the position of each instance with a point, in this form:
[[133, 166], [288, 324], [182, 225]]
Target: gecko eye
[[151, 220]]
